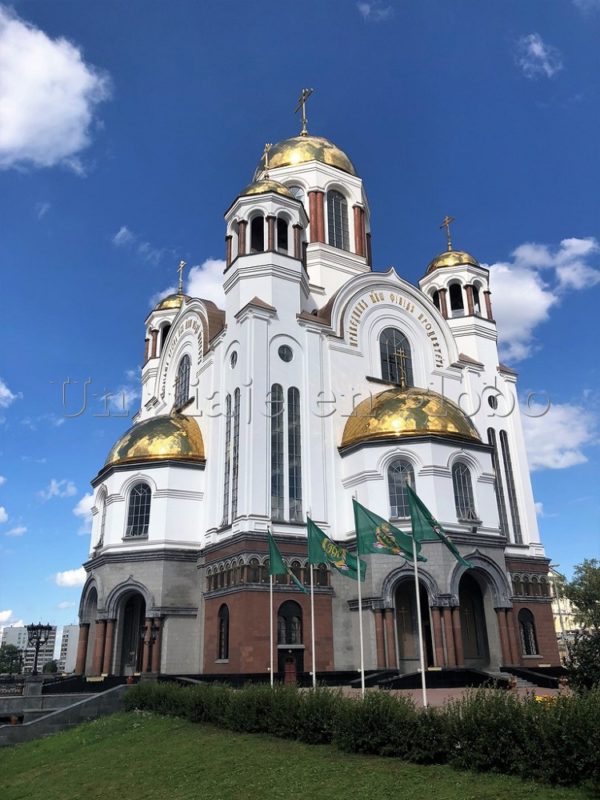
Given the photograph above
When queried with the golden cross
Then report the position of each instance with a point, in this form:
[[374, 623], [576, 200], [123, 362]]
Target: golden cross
[[265, 156], [401, 359], [180, 271], [446, 224], [304, 95]]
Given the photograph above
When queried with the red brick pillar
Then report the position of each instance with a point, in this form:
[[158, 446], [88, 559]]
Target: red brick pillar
[[242, 228], [443, 302], [312, 215], [84, 632], [270, 233], [457, 633], [228, 240], [470, 305], [449, 635], [320, 207], [515, 650], [390, 638], [369, 250], [503, 631], [156, 647], [359, 230], [98, 654], [379, 638], [154, 335], [438, 644], [108, 646], [297, 241], [488, 304]]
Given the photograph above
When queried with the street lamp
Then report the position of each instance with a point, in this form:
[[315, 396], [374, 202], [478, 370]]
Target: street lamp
[[37, 635]]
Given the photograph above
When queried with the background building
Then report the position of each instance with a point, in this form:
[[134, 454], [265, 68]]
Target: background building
[[17, 636], [68, 648], [320, 380]]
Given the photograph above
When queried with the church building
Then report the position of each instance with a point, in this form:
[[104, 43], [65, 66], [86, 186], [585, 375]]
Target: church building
[[319, 381]]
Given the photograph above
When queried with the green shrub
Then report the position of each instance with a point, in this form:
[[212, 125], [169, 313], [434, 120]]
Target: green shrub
[[380, 724], [317, 718]]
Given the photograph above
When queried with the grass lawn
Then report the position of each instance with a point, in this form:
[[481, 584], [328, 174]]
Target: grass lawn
[[145, 757]]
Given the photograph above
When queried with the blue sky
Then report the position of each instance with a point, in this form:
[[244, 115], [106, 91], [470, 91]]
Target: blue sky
[[126, 130]]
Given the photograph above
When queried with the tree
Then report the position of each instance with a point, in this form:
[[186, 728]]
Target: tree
[[50, 666], [10, 659], [583, 660], [584, 592]]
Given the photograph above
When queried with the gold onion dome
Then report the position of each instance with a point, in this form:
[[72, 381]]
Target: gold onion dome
[[265, 186], [452, 258], [171, 301], [407, 412], [159, 438], [301, 149]]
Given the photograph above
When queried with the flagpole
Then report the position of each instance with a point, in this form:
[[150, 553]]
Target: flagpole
[[360, 629], [419, 624], [271, 625], [312, 629]]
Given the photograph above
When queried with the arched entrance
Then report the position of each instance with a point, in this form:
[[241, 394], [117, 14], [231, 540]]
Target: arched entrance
[[407, 630], [131, 619], [472, 622], [290, 647]]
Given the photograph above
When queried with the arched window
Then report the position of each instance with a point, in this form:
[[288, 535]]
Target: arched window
[[102, 502], [223, 638], [163, 335], [322, 575], [498, 485], [297, 191], [253, 571], [294, 456], [138, 514], [400, 475], [289, 623], [456, 300], [296, 570], [436, 299], [476, 300], [396, 358], [517, 586], [222, 576], [463, 493], [282, 235], [264, 571], [526, 587], [512, 491], [277, 472], [182, 382], [257, 235], [529, 646], [337, 220]]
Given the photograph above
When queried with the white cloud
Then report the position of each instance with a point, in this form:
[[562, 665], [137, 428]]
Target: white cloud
[[65, 604], [556, 439], [587, 6], [48, 97], [206, 281], [539, 509], [525, 291], [71, 577], [127, 239], [62, 488], [5, 615], [83, 510], [374, 11], [41, 209], [158, 296], [2, 480], [536, 58], [3, 514], [18, 531], [6, 396]]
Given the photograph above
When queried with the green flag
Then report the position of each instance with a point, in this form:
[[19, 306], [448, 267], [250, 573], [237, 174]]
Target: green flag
[[376, 535], [427, 529], [321, 550], [277, 566]]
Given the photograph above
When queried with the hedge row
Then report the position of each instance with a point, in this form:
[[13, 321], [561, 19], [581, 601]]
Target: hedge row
[[488, 731]]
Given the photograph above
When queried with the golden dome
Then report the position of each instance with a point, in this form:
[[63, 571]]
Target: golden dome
[[266, 185], [158, 438], [452, 258], [407, 412], [300, 149], [171, 301]]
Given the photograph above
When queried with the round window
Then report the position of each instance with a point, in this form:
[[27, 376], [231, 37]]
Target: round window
[[233, 359], [493, 401], [285, 352]]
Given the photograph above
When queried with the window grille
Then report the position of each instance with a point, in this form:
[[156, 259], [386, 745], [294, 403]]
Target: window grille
[[396, 358], [463, 493], [337, 220], [138, 515], [400, 475]]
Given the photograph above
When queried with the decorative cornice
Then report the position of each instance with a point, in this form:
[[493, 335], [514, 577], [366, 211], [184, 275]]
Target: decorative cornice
[[146, 464], [134, 556]]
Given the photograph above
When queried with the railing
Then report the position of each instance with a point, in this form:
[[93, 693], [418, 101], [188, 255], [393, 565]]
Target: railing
[[11, 686]]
